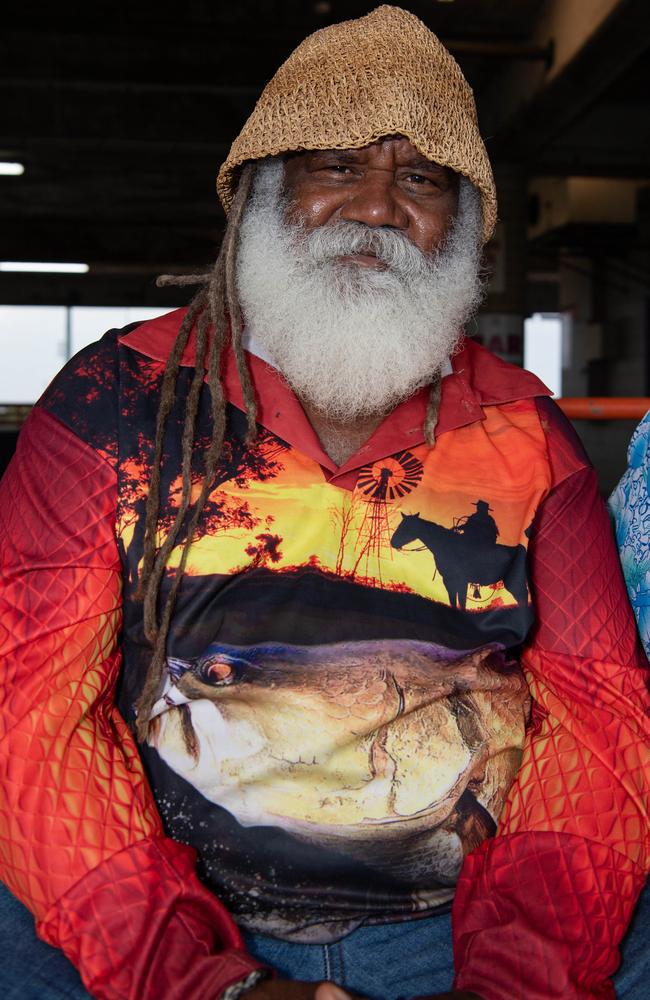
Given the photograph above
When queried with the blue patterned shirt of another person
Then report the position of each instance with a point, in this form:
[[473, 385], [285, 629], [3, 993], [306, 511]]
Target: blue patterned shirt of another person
[[630, 507]]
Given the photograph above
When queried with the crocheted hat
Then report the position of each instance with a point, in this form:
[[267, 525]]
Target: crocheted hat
[[351, 83]]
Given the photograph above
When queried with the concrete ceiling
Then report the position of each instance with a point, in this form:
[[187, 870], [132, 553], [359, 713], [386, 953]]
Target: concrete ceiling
[[122, 112]]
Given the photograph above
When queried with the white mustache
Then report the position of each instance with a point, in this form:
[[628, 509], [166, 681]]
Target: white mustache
[[389, 246]]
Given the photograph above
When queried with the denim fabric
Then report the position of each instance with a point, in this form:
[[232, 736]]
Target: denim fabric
[[414, 959], [381, 962], [31, 969], [394, 960], [632, 981]]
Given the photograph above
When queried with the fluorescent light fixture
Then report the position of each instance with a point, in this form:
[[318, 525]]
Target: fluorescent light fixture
[[40, 266], [11, 169]]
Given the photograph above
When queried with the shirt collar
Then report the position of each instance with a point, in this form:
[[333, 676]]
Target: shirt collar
[[474, 379]]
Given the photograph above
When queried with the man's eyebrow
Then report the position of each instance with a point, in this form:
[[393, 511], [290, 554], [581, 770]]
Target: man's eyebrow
[[421, 163], [350, 156]]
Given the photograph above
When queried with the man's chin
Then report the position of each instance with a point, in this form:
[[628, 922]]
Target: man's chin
[[356, 412]]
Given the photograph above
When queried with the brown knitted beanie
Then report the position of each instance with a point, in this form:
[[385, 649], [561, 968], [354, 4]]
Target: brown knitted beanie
[[349, 84]]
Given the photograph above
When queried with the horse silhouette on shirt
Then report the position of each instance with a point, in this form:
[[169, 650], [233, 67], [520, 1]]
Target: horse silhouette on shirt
[[461, 562]]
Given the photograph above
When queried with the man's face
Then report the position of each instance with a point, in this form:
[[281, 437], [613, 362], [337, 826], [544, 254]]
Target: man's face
[[387, 184], [352, 277]]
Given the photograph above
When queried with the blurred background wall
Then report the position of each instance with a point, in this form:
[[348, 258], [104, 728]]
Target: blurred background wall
[[114, 118]]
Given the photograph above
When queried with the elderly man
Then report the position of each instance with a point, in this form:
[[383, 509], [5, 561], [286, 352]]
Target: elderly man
[[241, 633]]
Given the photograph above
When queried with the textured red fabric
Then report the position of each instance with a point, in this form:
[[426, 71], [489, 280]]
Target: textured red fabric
[[539, 916], [142, 925], [548, 900], [80, 838]]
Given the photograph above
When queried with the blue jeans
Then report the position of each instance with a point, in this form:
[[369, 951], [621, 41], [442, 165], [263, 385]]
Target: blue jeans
[[386, 962], [382, 962]]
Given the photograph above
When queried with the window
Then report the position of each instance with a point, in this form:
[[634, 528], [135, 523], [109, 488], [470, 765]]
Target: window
[[36, 341], [543, 336]]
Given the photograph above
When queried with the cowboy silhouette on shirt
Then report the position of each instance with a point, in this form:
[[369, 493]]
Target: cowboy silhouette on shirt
[[479, 527]]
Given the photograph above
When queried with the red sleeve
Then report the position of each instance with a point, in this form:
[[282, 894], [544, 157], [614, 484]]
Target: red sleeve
[[545, 903], [81, 843]]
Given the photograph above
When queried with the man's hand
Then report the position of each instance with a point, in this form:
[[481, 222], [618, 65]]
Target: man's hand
[[292, 989], [454, 995], [285, 989]]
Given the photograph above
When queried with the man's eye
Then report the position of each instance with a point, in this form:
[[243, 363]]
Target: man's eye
[[419, 179], [337, 168]]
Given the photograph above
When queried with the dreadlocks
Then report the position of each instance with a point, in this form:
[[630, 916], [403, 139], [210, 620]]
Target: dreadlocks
[[215, 305], [213, 313]]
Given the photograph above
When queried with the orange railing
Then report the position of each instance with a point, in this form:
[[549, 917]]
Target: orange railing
[[604, 407], [12, 415]]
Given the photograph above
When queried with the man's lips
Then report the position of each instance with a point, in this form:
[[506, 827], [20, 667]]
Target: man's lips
[[366, 259]]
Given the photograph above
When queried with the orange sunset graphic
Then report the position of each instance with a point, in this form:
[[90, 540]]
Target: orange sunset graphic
[[273, 508]]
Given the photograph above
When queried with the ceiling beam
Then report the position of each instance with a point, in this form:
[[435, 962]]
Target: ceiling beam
[[120, 289], [158, 247], [527, 108], [611, 139], [185, 196], [63, 111]]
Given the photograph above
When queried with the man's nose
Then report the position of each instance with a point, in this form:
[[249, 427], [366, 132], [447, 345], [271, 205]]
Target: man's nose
[[375, 202]]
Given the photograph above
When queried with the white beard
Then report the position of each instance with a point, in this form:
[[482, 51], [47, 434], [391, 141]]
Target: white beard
[[353, 341]]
